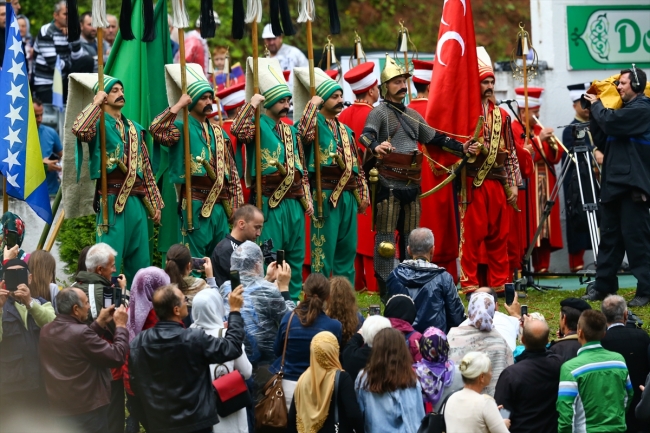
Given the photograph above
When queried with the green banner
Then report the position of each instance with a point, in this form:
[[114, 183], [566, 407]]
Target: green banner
[[608, 37]]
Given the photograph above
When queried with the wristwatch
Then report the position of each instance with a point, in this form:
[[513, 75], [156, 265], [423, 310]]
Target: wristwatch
[[32, 303]]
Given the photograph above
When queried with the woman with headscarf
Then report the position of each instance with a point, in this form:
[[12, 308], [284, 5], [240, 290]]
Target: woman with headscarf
[[438, 375], [401, 312], [141, 317], [314, 400], [208, 313], [481, 336]]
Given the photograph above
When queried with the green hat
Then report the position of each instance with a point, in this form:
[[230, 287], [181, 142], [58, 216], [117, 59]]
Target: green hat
[[197, 85], [325, 87], [271, 81], [109, 82]]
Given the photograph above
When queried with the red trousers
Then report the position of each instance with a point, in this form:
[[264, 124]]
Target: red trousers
[[485, 220], [364, 275], [576, 261]]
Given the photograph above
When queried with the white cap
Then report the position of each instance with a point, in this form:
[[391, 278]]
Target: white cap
[[267, 33]]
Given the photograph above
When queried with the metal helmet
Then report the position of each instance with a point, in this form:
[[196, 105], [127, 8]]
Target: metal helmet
[[391, 70]]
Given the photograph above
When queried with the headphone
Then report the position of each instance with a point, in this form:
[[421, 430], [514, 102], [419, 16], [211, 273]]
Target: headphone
[[635, 85]]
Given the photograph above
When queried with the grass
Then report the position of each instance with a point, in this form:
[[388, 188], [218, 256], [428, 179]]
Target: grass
[[547, 303]]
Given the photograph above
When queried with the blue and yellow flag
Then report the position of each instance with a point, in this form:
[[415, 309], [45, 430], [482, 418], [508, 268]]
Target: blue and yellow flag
[[21, 161]]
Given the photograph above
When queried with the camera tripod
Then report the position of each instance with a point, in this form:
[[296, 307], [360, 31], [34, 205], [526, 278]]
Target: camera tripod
[[579, 151]]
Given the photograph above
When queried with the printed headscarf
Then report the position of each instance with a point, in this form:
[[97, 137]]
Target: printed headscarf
[[10, 222], [481, 311], [435, 371], [145, 282]]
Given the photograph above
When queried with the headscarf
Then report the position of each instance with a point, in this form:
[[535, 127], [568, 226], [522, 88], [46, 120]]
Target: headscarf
[[208, 311], [401, 307], [316, 385], [435, 371], [145, 282], [481, 311]]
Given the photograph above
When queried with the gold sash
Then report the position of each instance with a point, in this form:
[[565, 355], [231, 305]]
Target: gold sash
[[495, 140], [219, 159], [289, 157], [347, 173], [132, 168]]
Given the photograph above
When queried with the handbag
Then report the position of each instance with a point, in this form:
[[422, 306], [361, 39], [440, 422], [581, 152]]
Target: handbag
[[271, 411], [232, 392], [336, 402], [435, 422]]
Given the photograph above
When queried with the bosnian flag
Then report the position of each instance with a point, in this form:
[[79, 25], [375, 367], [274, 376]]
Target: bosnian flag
[[57, 86], [21, 161]]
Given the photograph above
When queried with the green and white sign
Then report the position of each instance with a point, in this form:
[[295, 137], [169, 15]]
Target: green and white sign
[[608, 37]]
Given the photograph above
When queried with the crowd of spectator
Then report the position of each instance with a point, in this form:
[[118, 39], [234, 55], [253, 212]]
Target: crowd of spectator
[[105, 347]]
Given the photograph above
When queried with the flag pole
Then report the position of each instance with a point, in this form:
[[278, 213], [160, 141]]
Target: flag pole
[[5, 196], [186, 132], [102, 130], [46, 229]]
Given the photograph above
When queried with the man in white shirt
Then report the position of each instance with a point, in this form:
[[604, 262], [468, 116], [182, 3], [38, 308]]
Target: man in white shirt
[[506, 324], [289, 56]]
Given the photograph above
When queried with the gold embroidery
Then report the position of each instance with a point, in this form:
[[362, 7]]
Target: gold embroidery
[[220, 145], [278, 194], [494, 148], [268, 155], [317, 254], [347, 173], [132, 166]]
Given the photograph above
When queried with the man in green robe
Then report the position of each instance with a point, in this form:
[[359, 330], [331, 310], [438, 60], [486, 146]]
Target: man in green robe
[[132, 190], [345, 193], [216, 190], [285, 188]]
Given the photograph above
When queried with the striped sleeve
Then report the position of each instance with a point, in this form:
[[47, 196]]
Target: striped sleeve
[[629, 392], [85, 125], [163, 129], [149, 179], [307, 123], [243, 126], [568, 393]]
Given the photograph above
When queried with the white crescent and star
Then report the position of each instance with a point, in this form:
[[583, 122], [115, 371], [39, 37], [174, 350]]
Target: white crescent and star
[[442, 20]]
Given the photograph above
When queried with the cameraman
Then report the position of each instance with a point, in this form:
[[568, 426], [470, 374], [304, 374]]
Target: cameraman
[[624, 137], [21, 319]]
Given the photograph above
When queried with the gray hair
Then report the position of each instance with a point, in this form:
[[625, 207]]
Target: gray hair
[[99, 255], [371, 326], [614, 307], [421, 241], [473, 365], [66, 299], [59, 5]]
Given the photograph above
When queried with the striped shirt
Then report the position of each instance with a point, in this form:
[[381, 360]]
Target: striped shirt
[[49, 43], [595, 391]]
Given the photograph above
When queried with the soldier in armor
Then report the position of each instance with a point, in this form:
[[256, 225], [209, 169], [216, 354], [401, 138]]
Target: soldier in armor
[[392, 133]]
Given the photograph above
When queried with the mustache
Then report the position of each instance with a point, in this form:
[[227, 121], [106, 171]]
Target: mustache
[[207, 109], [120, 98], [339, 105], [284, 112], [401, 91]]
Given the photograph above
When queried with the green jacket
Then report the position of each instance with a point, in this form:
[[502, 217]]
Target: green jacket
[[594, 393]]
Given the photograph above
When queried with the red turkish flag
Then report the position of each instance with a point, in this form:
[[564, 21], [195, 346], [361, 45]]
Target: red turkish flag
[[454, 94]]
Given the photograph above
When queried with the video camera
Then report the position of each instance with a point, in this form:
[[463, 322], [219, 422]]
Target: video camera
[[267, 251], [579, 131]]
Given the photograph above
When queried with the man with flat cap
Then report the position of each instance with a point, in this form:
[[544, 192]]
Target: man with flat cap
[[567, 345]]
